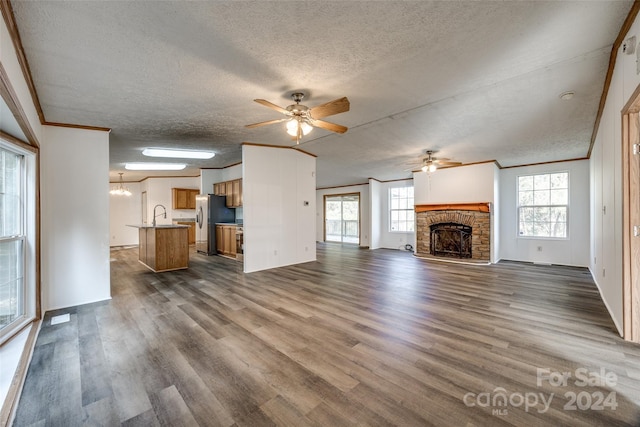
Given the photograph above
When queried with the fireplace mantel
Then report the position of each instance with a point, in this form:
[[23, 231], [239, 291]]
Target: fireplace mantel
[[475, 207]]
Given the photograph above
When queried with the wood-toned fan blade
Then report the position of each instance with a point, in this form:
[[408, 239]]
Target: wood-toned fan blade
[[268, 122], [440, 163], [336, 106], [329, 126], [271, 105]]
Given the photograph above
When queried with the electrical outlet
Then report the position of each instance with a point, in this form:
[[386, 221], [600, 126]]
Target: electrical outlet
[[275, 252], [539, 248]]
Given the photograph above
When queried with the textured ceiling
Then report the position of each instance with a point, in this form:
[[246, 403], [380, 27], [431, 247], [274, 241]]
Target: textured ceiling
[[475, 80]]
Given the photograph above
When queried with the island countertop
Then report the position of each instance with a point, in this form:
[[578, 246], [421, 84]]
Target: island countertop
[[163, 247], [158, 226]]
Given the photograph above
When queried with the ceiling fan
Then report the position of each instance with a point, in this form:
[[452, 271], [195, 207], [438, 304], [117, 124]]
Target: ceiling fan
[[302, 119], [430, 163]]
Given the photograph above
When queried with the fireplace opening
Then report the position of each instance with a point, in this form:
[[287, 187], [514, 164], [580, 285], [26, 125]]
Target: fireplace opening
[[451, 240]]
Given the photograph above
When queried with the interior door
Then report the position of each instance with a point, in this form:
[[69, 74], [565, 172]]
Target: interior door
[[342, 218], [631, 217]]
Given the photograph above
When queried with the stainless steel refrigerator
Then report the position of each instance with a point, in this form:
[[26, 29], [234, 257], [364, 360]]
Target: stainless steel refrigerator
[[210, 209]]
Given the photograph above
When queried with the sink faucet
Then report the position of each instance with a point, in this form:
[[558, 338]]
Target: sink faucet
[[164, 215]]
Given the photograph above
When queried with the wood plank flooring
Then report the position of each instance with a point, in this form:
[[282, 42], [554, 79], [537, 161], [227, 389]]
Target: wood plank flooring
[[357, 338]]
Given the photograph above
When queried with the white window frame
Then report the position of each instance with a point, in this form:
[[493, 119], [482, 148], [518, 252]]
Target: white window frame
[[409, 209], [28, 238], [566, 206]]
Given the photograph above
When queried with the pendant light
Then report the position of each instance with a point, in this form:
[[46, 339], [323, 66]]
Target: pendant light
[[120, 190]]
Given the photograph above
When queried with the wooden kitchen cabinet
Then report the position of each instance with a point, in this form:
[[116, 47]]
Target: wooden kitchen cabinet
[[232, 190], [226, 240], [184, 198], [237, 193], [229, 193], [220, 189], [229, 240], [191, 231], [219, 239]]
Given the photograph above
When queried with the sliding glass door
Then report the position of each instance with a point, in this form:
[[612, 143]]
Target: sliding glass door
[[342, 218]]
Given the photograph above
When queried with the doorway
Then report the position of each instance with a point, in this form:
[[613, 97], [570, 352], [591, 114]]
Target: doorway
[[631, 217], [342, 218]]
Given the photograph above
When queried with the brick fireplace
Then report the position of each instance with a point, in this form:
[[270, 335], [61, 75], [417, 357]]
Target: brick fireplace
[[454, 231]]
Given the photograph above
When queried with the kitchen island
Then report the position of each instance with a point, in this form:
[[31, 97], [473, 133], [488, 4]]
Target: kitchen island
[[163, 247]]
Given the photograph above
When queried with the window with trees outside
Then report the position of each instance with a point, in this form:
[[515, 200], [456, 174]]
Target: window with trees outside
[[401, 212], [12, 239], [543, 205]]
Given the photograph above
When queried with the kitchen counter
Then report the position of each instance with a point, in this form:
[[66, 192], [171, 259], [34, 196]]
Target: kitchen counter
[[237, 224], [159, 226], [163, 247]]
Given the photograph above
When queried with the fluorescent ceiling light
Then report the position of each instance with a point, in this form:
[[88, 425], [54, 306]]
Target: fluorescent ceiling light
[[180, 154], [155, 166]]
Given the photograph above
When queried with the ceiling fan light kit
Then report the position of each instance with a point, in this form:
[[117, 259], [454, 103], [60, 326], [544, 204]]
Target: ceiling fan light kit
[[430, 164], [302, 119]]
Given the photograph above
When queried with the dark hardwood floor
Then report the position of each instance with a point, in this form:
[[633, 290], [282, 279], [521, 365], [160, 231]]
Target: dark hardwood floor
[[357, 338]]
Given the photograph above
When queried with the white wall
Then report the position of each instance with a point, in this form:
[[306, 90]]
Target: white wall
[[159, 191], [208, 177], [389, 239], [231, 172], [571, 251], [375, 212], [279, 229], [473, 184], [464, 184], [605, 261], [125, 211], [74, 199], [365, 224]]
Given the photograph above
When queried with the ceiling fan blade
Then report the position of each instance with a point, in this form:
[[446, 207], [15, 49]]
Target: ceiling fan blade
[[336, 106], [268, 122], [272, 106], [329, 126]]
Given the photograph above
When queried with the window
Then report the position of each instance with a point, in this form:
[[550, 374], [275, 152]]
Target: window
[[401, 215], [543, 204], [12, 239]]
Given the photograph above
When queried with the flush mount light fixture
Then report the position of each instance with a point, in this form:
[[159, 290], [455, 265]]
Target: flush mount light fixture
[[155, 166], [565, 96], [179, 154], [120, 190]]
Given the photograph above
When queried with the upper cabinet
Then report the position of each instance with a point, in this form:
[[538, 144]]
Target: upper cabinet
[[184, 198], [232, 190]]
